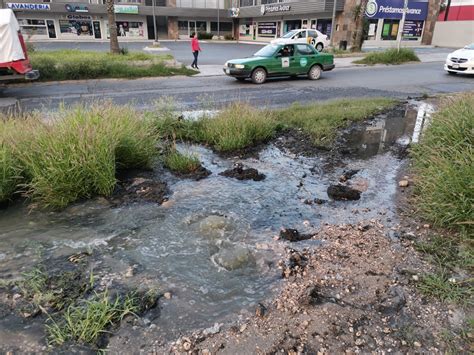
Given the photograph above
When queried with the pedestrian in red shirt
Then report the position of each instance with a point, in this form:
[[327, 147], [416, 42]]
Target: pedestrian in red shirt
[[195, 48]]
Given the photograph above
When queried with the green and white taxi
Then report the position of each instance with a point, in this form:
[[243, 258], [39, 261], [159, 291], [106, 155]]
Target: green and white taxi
[[277, 60]]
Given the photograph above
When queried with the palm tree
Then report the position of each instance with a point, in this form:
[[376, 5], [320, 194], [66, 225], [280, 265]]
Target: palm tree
[[358, 38], [114, 45]]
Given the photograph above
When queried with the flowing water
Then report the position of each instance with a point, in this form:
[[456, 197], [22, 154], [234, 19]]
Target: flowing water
[[212, 243]]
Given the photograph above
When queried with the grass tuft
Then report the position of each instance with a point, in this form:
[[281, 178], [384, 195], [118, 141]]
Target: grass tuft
[[443, 165], [74, 64], [181, 163], [389, 56], [441, 285], [88, 320]]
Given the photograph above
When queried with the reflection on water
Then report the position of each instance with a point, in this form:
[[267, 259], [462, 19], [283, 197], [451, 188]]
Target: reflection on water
[[205, 243]]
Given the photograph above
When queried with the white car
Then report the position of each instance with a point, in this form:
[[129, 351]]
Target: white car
[[313, 37], [461, 61]]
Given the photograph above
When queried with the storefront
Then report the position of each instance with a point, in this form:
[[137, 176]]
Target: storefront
[[384, 17]]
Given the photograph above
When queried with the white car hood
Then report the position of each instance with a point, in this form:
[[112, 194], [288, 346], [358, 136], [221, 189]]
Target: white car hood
[[462, 53]]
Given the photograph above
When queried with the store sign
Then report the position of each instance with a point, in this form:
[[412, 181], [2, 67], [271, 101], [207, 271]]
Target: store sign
[[234, 12], [412, 30], [33, 7], [266, 9], [76, 8], [79, 17], [393, 9], [267, 29], [126, 9]]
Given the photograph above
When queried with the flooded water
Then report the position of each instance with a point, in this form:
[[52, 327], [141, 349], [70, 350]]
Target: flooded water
[[211, 244]]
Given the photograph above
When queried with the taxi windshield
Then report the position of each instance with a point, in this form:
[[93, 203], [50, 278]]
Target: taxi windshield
[[267, 51], [289, 34], [469, 46]]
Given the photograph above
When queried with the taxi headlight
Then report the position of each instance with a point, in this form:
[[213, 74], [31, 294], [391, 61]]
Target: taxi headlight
[[239, 66]]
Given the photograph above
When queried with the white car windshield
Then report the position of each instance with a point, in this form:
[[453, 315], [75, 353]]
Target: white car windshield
[[267, 51], [289, 34], [470, 46]]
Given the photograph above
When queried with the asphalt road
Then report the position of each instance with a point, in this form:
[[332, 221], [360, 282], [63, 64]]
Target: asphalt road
[[190, 92]]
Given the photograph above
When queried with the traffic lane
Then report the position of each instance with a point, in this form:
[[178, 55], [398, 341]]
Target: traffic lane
[[212, 53], [393, 81]]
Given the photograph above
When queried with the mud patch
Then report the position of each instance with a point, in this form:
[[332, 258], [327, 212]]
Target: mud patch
[[343, 193], [240, 173], [139, 189], [198, 174]]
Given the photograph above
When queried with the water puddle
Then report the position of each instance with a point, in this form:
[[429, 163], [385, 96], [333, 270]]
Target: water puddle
[[212, 243]]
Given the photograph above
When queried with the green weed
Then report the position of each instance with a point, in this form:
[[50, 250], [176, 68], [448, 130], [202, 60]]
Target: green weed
[[444, 166], [181, 163], [442, 286], [389, 56]]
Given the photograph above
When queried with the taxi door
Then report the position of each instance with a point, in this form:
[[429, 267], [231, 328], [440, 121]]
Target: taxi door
[[281, 63], [304, 57]]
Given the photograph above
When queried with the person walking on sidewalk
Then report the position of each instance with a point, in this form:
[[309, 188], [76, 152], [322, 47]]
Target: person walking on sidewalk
[[196, 49]]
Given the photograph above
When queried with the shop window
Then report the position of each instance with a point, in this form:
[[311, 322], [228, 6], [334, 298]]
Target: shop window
[[371, 31], [292, 25], [130, 29], [201, 26], [390, 29], [223, 26], [264, 2], [244, 3], [183, 25], [324, 26], [75, 27]]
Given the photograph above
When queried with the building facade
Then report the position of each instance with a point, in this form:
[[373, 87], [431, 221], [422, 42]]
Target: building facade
[[455, 25], [82, 20], [249, 20]]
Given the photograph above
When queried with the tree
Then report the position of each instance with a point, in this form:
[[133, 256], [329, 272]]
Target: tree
[[358, 37], [114, 45]]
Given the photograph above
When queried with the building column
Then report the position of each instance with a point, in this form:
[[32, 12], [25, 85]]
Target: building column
[[433, 12], [173, 28]]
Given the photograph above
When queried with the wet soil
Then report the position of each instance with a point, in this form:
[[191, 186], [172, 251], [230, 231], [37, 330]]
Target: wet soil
[[138, 186], [198, 174], [240, 173]]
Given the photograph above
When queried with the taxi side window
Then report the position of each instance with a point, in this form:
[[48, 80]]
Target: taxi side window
[[286, 51], [302, 34], [304, 49], [313, 34]]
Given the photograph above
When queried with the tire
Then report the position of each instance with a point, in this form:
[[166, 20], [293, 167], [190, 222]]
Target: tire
[[319, 47], [259, 76], [452, 72], [315, 72], [241, 79]]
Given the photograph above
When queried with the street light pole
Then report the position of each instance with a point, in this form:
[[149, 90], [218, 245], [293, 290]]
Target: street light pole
[[154, 24], [218, 27], [333, 23], [402, 24]]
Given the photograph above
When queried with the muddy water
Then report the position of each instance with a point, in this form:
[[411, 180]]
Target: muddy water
[[212, 243]]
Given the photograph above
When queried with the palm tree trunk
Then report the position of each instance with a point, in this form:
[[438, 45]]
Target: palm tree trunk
[[358, 38], [114, 45]]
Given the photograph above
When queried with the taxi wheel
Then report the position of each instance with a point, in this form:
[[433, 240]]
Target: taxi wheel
[[319, 47], [259, 76], [315, 72]]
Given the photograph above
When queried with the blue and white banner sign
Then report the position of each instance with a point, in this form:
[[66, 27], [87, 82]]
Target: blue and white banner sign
[[393, 9]]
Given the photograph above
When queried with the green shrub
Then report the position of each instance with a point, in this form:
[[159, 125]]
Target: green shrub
[[389, 56], [181, 163], [237, 126], [229, 37], [444, 165], [9, 173], [77, 155], [205, 35], [74, 64]]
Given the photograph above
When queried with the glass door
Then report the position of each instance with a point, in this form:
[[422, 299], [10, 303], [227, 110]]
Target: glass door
[[51, 29], [192, 28], [97, 32]]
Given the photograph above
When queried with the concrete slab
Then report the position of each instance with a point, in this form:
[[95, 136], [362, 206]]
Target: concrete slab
[[8, 105]]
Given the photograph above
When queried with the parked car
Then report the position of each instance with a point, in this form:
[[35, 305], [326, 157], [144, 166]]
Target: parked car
[[281, 60], [461, 61], [14, 62], [313, 37]]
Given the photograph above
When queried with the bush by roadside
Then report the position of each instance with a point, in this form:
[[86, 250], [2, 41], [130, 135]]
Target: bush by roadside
[[75, 65], [389, 56], [74, 157]]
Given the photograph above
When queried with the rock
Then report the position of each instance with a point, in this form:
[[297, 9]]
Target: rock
[[293, 235], [261, 310], [341, 192], [215, 226], [393, 302], [130, 272], [415, 277], [167, 295], [417, 344], [243, 327], [187, 346], [319, 201], [347, 175], [403, 183], [240, 173], [205, 352], [216, 328], [233, 257]]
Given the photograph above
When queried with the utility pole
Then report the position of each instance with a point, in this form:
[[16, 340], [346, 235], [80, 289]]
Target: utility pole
[[333, 23], [218, 22], [154, 24], [402, 24]]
